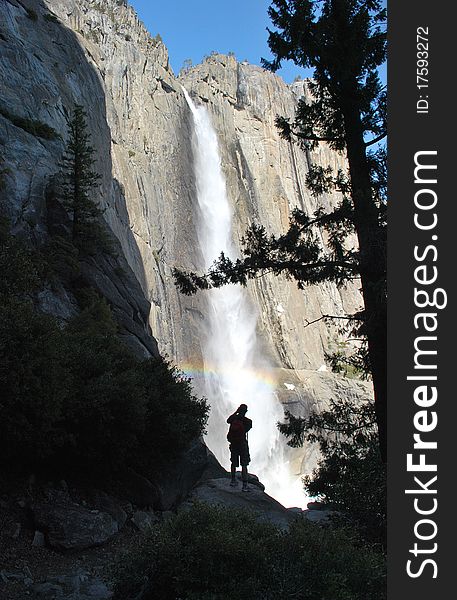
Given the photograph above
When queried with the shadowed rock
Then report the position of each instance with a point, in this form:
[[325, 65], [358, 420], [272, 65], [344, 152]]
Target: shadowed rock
[[219, 492], [73, 527]]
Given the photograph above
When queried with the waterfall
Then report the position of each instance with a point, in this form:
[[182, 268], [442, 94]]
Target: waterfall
[[234, 371]]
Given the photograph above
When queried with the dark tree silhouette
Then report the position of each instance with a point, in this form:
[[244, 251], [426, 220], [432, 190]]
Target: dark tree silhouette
[[344, 42], [79, 179]]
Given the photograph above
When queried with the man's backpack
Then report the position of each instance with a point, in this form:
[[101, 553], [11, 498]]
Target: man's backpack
[[236, 433]]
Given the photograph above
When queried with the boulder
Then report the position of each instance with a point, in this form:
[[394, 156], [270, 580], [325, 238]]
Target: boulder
[[48, 591], [16, 576], [295, 510], [142, 491], [198, 463], [73, 527], [219, 492], [144, 520], [213, 469], [110, 505], [315, 505], [38, 540], [318, 516], [77, 586], [318, 512]]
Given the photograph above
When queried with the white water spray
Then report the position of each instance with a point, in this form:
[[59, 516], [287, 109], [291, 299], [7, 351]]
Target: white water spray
[[234, 373]]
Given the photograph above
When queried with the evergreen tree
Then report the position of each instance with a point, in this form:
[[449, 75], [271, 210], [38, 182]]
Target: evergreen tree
[[344, 42], [350, 476], [79, 180]]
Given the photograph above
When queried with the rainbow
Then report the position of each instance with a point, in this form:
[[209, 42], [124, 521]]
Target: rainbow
[[197, 371]]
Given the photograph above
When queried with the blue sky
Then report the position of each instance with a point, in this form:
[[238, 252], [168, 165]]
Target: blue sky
[[194, 28]]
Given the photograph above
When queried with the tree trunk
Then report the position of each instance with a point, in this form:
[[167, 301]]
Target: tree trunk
[[372, 266]]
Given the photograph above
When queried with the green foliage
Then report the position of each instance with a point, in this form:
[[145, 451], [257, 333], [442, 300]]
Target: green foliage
[[343, 41], [79, 184], [351, 476], [186, 66], [342, 358], [353, 366], [74, 397], [74, 220], [215, 553], [32, 126], [173, 415], [21, 269], [157, 39], [33, 382], [298, 254]]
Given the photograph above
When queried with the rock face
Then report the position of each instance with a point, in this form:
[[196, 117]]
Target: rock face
[[55, 53], [44, 71], [265, 181], [219, 492], [196, 464]]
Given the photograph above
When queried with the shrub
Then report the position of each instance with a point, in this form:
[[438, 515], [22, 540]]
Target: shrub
[[157, 39], [34, 383], [350, 476], [215, 553], [173, 415], [75, 397], [355, 485], [21, 270]]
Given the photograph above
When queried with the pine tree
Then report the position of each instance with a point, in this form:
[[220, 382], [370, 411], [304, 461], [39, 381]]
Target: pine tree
[[344, 42], [80, 180]]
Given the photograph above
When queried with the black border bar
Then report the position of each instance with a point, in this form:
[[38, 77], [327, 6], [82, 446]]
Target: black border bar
[[422, 253]]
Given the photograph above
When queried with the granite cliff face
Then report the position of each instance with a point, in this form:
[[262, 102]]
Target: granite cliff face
[[265, 181], [98, 54]]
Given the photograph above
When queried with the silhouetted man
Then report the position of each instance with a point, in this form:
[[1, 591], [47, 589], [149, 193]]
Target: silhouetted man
[[239, 448]]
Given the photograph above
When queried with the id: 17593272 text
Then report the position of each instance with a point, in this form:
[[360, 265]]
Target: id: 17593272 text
[[422, 69]]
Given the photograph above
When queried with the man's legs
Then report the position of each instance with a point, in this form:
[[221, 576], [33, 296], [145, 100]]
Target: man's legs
[[234, 460], [233, 472], [244, 476], [244, 460]]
